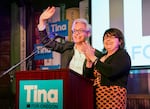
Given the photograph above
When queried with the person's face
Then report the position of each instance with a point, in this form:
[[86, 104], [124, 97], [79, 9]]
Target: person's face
[[79, 34], [111, 43]]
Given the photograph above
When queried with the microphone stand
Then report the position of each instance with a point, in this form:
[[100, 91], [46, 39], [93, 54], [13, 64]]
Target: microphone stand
[[12, 77], [55, 36], [14, 66]]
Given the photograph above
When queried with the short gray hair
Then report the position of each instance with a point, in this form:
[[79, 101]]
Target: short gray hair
[[82, 20]]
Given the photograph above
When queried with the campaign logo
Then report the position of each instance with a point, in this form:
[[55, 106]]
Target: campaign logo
[[42, 52], [41, 94], [60, 28]]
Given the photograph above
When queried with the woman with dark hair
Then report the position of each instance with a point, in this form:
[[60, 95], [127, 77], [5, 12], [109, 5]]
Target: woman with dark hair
[[110, 70]]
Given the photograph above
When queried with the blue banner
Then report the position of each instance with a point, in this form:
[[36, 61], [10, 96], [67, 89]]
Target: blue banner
[[42, 52], [42, 67], [60, 28]]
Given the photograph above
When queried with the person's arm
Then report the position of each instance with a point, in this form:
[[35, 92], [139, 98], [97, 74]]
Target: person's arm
[[48, 42], [48, 13], [91, 54], [116, 65]]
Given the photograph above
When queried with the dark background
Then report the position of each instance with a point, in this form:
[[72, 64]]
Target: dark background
[[38, 4]]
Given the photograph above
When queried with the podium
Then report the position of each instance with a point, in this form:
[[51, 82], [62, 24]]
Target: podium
[[77, 90]]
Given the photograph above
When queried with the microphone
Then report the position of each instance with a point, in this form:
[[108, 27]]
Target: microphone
[[55, 36], [59, 36]]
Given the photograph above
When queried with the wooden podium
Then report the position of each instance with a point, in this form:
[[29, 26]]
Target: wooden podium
[[77, 90]]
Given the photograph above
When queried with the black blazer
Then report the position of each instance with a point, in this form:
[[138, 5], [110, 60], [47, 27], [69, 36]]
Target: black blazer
[[114, 70]]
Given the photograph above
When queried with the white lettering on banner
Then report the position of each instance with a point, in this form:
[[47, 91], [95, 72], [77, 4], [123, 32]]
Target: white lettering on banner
[[57, 28], [43, 50], [137, 45], [50, 95], [137, 50]]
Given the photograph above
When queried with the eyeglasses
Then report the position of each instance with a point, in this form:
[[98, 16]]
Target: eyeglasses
[[109, 37], [79, 31]]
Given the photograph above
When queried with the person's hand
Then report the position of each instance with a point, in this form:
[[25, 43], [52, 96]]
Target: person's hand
[[48, 13], [89, 51]]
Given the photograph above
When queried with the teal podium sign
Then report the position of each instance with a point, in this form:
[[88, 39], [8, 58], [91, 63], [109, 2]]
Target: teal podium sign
[[41, 94]]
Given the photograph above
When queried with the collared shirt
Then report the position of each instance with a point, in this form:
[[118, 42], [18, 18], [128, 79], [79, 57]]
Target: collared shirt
[[77, 61]]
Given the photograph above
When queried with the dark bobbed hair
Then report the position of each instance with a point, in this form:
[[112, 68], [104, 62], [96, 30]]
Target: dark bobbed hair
[[118, 34]]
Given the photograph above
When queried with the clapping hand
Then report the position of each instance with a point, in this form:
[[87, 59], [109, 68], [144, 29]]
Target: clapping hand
[[88, 50]]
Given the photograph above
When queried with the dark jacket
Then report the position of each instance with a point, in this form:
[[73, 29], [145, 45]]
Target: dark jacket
[[66, 49], [114, 70]]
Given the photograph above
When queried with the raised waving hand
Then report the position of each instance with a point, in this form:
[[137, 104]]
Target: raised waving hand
[[48, 13]]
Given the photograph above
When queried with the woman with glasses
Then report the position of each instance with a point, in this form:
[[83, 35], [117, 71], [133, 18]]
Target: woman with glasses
[[73, 57], [110, 70]]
